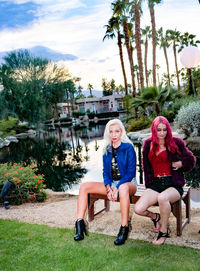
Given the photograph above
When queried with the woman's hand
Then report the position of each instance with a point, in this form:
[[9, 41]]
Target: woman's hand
[[115, 194], [177, 165]]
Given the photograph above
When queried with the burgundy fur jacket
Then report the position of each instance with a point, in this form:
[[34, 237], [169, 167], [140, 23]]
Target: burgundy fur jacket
[[186, 156]]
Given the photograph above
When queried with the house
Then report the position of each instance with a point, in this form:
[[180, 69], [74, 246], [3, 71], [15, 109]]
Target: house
[[65, 109], [111, 103]]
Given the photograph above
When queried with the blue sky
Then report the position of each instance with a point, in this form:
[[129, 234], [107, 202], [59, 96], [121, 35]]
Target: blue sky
[[77, 27]]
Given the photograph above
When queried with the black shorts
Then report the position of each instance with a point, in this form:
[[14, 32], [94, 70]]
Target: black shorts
[[160, 184]]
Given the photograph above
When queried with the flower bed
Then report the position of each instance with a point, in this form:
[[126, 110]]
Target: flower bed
[[27, 184]]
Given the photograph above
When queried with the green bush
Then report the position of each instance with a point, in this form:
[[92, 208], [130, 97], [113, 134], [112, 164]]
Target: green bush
[[179, 102], [140, 124], [188, 119], [28, 184], [8, 127], [192, 177], [169, 114]]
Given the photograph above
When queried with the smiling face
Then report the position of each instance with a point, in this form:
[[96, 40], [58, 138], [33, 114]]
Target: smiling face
[[115, 134], [161, 131]]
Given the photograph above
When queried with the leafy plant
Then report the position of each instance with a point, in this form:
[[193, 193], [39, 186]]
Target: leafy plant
[[140, 124], [188, 119], [28, 184]]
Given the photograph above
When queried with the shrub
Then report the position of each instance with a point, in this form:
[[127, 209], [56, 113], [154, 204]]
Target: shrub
[[188, 119], [28, 184], [169, 114], [139, 124], [192, 177], [8, 127]]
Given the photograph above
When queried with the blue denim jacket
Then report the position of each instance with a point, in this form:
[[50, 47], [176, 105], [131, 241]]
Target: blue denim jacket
[[126, 160]]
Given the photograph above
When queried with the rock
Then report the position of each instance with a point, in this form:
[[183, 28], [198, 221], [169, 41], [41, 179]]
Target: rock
[[12, 139]]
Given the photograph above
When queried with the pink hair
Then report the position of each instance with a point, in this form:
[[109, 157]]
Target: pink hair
[[169, 141]]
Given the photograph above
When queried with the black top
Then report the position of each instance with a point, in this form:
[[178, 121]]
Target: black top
[[114, 166]]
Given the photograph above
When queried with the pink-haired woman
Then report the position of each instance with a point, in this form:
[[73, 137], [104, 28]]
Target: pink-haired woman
[[165, 158]]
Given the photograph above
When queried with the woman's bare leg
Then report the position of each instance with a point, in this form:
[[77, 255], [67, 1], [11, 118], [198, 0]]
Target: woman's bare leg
[[125, 191], [165, 199], [148, 199], [85, 189]]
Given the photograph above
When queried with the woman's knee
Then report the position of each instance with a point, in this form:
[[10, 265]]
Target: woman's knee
[[124, 190], [84, 188], [162, 198], [139, 209]]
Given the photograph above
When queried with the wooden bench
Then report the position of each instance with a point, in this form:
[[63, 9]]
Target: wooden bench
[[176, 207]]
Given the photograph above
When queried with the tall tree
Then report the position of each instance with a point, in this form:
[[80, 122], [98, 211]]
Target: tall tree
[[174, 37], [112, 26], [32, 87], [136, 11], [146, 32], [120, 9], [151, 4], [164, 43], [90, 87]]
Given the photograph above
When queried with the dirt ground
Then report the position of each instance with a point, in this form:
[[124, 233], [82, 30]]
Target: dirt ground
[[59, 210]]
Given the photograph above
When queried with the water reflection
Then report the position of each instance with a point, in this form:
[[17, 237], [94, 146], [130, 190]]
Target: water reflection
[[59, 154], [66, 156]]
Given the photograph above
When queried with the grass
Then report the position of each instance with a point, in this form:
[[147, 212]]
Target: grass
[[26, 246]]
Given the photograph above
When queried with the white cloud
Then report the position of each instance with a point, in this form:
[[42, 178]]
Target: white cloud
[[82, 35]]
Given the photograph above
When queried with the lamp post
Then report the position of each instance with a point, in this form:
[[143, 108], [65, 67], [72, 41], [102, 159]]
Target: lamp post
[[190, 58]]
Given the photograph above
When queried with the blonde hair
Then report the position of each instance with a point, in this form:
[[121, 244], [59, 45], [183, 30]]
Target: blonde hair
[[107, 140]]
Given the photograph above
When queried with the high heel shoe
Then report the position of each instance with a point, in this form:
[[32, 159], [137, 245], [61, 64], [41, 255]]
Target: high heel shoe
[[155, 222], [161, 235], [81, 228], [122, 235]]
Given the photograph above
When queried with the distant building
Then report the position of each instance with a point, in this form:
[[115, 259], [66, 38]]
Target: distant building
[[111, 103], [65, 110]]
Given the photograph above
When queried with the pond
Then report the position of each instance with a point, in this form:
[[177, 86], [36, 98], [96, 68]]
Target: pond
[[66, 156]]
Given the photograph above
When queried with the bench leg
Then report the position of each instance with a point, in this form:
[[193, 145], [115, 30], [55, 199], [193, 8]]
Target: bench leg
[[187, 206], [91, 210], [107, 205], [177, 211], [91, 202]]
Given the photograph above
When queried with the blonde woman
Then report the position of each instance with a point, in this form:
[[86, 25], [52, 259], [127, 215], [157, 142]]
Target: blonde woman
[[119, 170]]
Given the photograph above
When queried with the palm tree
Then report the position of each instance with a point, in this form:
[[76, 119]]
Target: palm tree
[[146, 32], [154, 97], [164, 43], [136, 11], [174, 37], [90, 87], [112, 26], [151, 4], [120, 9]]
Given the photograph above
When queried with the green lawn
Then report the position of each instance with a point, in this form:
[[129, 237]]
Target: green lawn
[[27, 247]]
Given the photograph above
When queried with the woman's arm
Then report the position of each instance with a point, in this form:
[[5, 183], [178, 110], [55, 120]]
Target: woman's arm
[[106, 171], [187, 158], [130, 171]]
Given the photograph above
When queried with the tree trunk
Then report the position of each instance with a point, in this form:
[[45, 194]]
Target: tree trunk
[[145, 62], [176, 66], [125, 27], [122, 62], [154, 41], [167, 63], [138, 44]]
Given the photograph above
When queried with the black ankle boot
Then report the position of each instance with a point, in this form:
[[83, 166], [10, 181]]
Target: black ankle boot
[[122, 235], [81, 228]]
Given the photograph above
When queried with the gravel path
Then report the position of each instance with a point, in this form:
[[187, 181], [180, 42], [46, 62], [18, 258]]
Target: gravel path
[[60, 211]]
